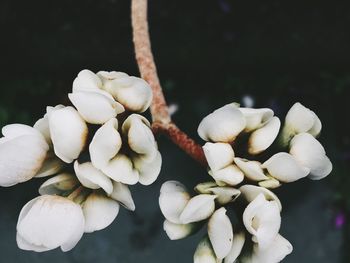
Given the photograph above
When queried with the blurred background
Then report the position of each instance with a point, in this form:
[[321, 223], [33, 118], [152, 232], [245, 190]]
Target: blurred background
[[268, 53]]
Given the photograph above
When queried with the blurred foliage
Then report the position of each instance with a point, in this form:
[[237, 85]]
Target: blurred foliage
[[208, 53]]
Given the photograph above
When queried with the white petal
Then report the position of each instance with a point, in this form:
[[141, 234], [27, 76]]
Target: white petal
[[262, 138], [204, 188], [220, 233], [218, 155], [236, 249], [250, 192], [134, 93], [86, 81], [120, 169], [51, 166], [148, 169], [68, 133], [105, 144], [205, 253], [276, 252], [251, 169], [122, 194], [106, 76], [198, 208], [24, 245], [99, 211], [58, 184], [223, 125], [285, 168], [230, 175], [92, 178], [316, 128], [172, 200], [301, 119], [140, 137], [42, 125], [178, 231], [224, 194], [311, 154], [255, 118], [22, 154], [263, 220], [270, 183], [95, 108], [49, 222]]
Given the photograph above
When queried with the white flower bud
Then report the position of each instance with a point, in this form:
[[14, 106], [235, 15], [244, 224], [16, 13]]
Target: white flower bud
[[204, 188], [223, 125], [68, 133], [236, 249], [251, 169], [134, 93], [22, 153], [198, 208], [86, 81], [255, 118], [285, 168], [262, 138], [179, 231], [224, 194], [99, 211], [122, 194], [250, 192], [218, 155], [48, 222], [148, 168], [276, 252], [58, 184], [262, 219], [172, 200], [270, 183], [220, 233], [140, 137], [205, 253], [92, 178], [121, 169], [105, 144], [230, 175], [311, 154]]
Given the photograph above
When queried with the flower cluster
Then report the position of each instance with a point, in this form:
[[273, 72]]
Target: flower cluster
[[245, 164], [94, 150]]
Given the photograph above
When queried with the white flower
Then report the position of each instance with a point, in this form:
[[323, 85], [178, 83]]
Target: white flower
[[218, 155], [122, 194], [285, 168], [256, 118], [223, 125], [237, 245], [263, 137], [205, 253], [148, 168], [99, 211], [92, 178], [48, 222], [172, 200], [311, 154], [22, 153], [230, 175], [251, 169], [276, 252], [134, 93], [300, 119], [220, 233], [250, 192], [105, 144], [178, 231], [68, 132], [198, 208], [225, 194], [58, 184], [262, 219]]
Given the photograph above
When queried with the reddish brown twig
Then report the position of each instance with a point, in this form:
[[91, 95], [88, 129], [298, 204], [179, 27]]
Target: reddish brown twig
[[159, 109]]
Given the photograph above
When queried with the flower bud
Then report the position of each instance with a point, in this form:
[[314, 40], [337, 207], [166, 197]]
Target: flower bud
[[179, 231], [250, 192], [262, 219], [22, 153], [251, 169], [68, 133], [48, 222], [220, 233], [256, 118], [310, 153], [223, 125], [122, 194], [198, 208], [58, 184]]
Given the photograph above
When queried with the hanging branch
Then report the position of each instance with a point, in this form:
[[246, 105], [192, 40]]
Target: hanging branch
[[162, 122]]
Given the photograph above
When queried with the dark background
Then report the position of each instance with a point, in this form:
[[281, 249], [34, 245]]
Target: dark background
[[208, 53]]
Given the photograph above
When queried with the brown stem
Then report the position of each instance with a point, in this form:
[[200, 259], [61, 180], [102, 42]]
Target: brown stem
[[159, 109]]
